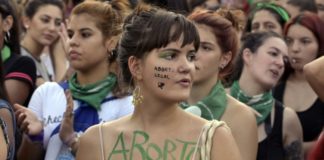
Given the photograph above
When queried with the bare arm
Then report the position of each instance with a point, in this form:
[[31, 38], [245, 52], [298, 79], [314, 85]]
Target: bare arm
[[293, 135], [224, 146], [18, 91], [3, 145], [245, 135], [7, 118], [315, 75]]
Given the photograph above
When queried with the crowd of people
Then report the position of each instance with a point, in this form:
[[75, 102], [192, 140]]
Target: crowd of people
[[162, 79]]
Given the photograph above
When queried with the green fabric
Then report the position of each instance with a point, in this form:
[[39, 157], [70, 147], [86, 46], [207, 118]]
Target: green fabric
[[95, 93], [5, 53], [213, 106], [261, 103], [280, 10]]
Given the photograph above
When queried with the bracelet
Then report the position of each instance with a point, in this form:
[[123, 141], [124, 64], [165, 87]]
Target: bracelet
[[37, 138], [75, 140]]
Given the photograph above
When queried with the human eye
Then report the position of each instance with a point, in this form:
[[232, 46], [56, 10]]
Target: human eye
[[168, 55], [305, 41], [58, 22], [255, 26], [191, 56], [273, 53], [289, 41], [270, 26], [85, 34], [205, 47], [45, 19]]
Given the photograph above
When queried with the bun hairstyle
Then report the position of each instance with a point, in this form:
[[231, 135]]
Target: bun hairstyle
[[235, 16], [149, 28]]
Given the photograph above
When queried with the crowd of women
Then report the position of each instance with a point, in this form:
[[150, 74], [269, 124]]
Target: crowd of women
[[162, 79]]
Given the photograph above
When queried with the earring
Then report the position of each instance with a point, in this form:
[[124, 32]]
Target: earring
[[222, 66], [137, 97], [7, 37]]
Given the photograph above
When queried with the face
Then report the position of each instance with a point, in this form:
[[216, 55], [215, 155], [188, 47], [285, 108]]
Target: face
[[265, 21], [168, 72], [303, 46], [44, 25], [208, 57], [267, 65], [320, 8], [87, 47]]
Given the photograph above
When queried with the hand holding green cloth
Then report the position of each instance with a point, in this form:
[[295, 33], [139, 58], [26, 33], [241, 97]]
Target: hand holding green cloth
[[261, 103], [213, 106], [95, 93]]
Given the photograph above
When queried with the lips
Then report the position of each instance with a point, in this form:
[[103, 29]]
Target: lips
[[185, 82], [275, 73], [48, 36], [74, 54]]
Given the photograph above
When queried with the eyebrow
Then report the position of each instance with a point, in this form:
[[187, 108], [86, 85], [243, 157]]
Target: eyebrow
[[277, 50], [171, 49], [207, 43]]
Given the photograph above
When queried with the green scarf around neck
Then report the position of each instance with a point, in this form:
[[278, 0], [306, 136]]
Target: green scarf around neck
[[95, 93], [5, 53], [261, 103], [212, 106]]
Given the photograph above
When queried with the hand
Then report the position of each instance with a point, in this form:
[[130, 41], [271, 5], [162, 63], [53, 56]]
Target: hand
[[27, 120], [67, 134]]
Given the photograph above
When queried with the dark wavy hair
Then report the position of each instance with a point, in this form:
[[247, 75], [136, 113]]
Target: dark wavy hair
[[148, 28]]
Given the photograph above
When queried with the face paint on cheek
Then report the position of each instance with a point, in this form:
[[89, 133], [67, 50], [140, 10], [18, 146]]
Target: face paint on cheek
[[161, 85]]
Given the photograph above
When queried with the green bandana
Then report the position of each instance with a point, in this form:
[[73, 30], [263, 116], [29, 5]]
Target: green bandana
[[278, 9], [5, 53], [261, 103], [213, 106], [93, 94]]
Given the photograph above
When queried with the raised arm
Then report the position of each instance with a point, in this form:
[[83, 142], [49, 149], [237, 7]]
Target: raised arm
[[315, 76]]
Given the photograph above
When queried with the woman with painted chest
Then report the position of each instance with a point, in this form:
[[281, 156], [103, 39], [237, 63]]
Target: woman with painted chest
[[158, 128]]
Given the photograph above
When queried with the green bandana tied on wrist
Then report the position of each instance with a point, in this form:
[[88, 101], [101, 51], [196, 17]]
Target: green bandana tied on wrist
[[261, 103], [213, 106], [95, 93]]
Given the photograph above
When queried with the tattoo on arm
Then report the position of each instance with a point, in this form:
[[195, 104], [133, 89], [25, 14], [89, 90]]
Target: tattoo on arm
[[294, 151]]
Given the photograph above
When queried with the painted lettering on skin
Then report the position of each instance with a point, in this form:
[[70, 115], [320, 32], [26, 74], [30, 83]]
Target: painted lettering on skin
[[164, 76], [147, 150], [162, 69]]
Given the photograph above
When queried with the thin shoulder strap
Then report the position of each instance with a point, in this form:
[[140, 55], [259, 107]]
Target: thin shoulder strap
[[101, 142], [206, 139]]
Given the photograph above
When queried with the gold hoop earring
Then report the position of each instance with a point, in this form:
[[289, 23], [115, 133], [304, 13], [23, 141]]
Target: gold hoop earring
[[137, 97]]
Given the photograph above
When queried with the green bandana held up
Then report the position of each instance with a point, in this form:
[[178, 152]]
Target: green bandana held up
[[95, 93], [5, 53], [213, 106], [261, 103]]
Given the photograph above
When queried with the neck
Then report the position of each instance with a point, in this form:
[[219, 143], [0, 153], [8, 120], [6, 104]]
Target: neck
[[202, 89], [93, 75], [249, 86], [298, 75], [32, 46], [155, 112]]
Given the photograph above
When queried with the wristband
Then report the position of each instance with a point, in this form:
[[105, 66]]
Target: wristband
[[37, 138]]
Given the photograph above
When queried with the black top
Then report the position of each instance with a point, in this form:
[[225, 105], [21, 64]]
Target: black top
[[312, 119], [23, 69], [271, 148]]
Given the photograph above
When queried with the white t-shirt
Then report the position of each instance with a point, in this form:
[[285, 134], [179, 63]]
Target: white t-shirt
[[49, 104]]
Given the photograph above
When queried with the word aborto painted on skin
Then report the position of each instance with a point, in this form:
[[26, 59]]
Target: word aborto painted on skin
[[148, 150]]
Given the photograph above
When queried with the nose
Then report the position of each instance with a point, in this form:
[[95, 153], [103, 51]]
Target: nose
[[294, 47], [72, 41], [185, 66], [280, 62]]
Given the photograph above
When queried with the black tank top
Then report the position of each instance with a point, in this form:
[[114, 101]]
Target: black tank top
[[312, 119], [271, 148]]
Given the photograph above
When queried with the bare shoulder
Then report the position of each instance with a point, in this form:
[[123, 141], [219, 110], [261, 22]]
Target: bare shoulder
[[239, 109], [290, 116], [224, 146]]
